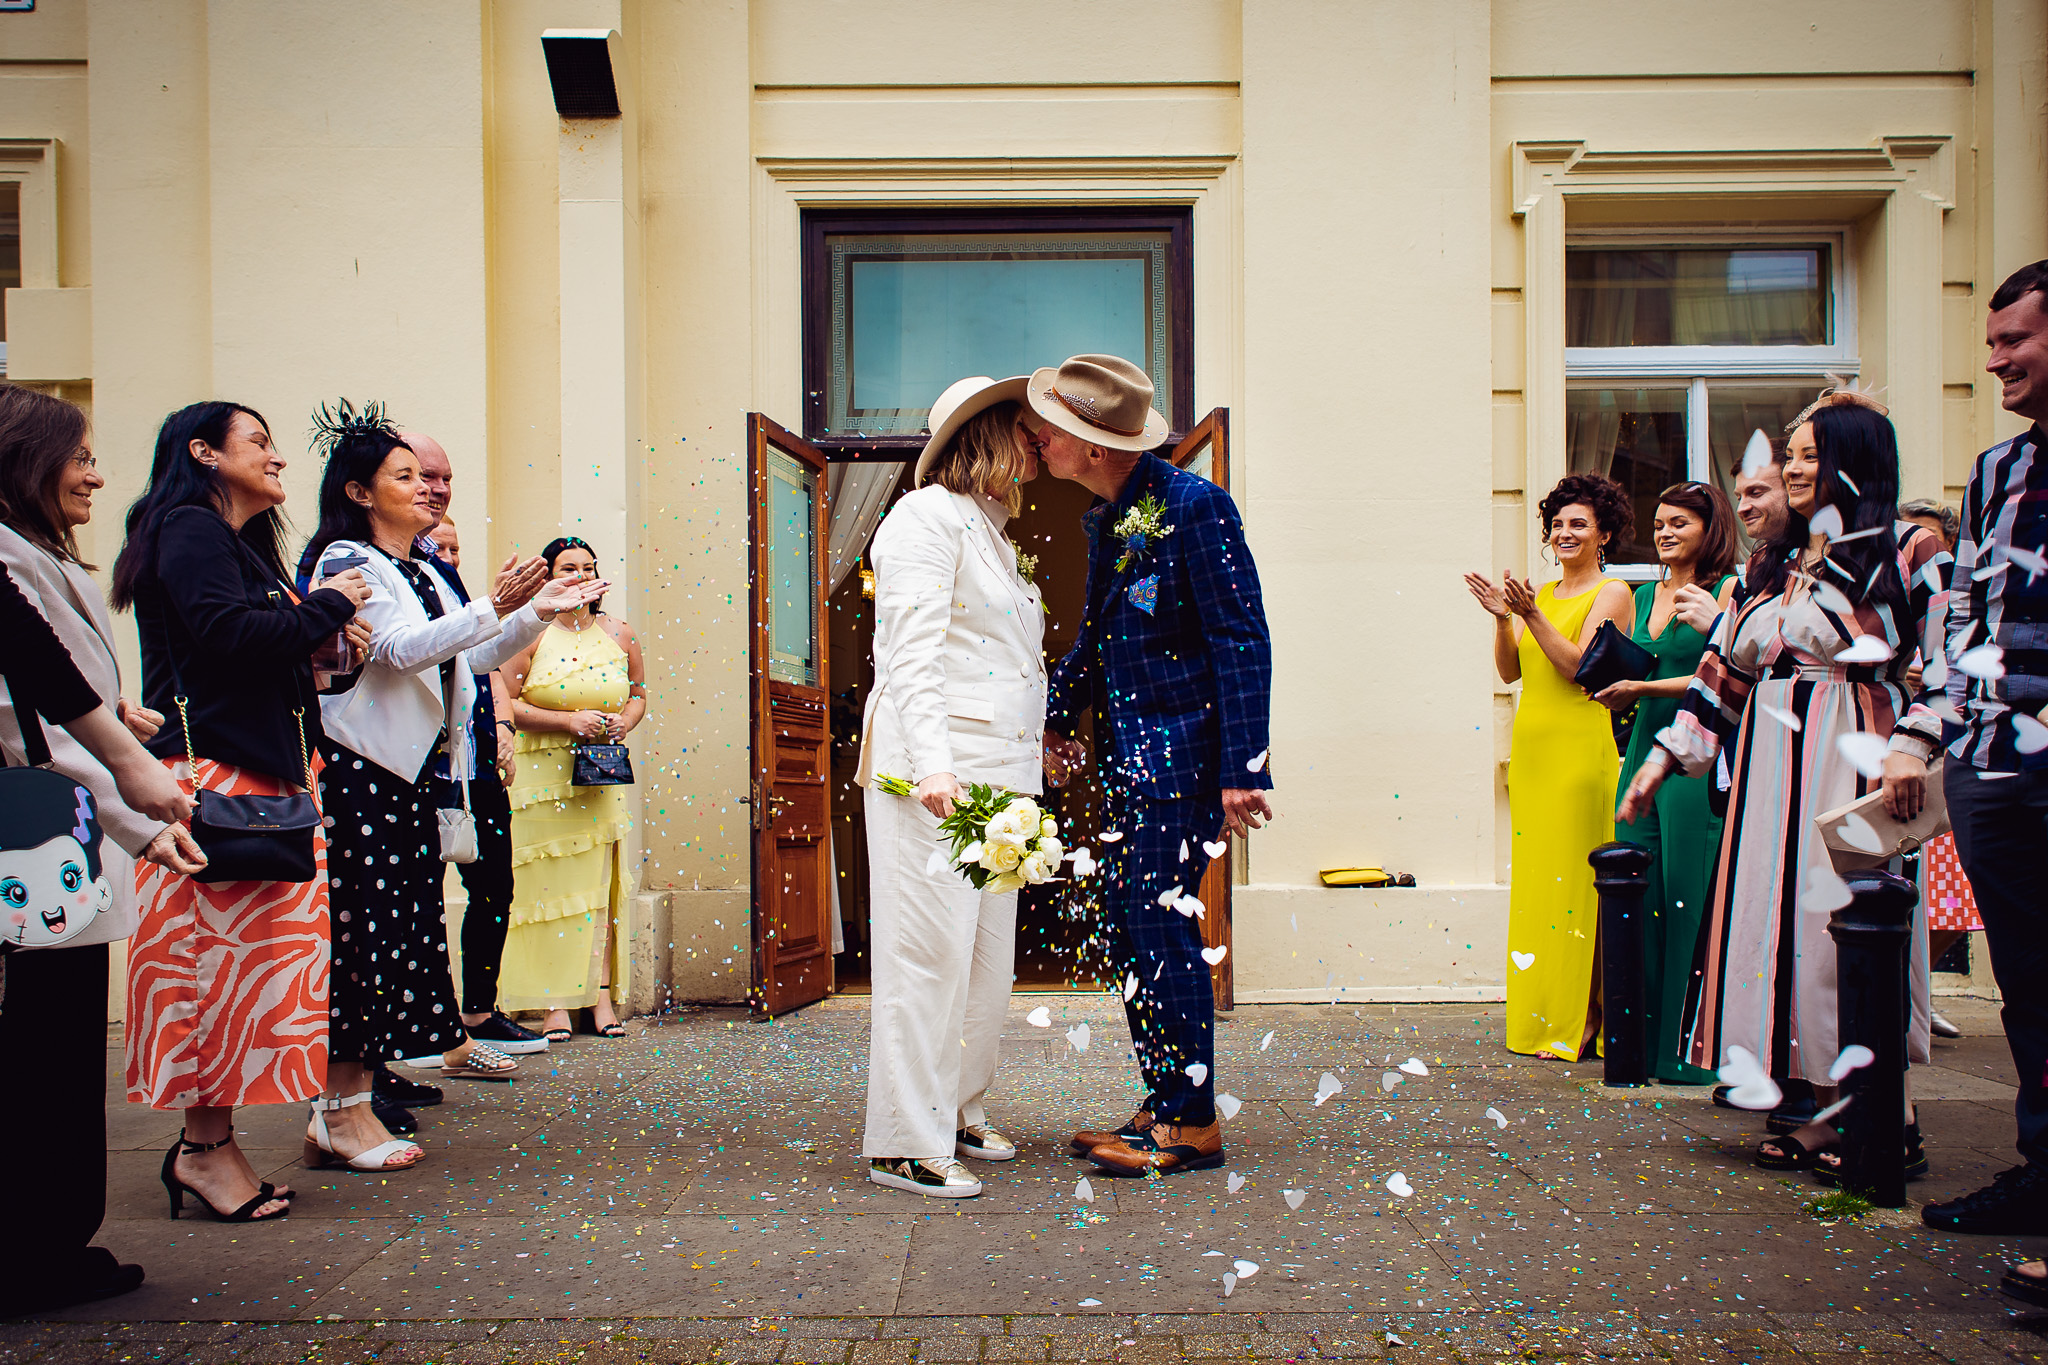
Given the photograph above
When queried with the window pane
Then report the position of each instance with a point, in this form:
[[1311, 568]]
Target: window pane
[[1637, 438], [1734, 413], [10, 244], [793, 571], [910, 314], [1741, 296]]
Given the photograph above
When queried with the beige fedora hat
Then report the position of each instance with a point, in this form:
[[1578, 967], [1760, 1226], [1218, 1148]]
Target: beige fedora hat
[[962, 399], [1103, 399]]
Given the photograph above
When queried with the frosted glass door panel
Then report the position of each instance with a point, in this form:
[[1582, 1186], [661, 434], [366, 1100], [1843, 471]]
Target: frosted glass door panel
[[793, 571]]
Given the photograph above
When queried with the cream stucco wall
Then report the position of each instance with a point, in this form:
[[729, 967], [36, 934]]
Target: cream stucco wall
[[285, 202]]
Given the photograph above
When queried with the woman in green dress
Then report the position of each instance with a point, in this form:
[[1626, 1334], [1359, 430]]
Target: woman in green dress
[[1695, 536]]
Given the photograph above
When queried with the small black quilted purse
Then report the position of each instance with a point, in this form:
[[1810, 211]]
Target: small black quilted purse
[[601, 765]]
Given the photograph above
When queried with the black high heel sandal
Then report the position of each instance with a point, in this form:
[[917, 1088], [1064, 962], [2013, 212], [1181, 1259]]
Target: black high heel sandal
[[614, 1029], [1827, 1166], [177, 1189]]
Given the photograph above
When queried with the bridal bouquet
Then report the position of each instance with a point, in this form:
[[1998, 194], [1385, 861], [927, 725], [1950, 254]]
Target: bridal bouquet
[[1001, 839]]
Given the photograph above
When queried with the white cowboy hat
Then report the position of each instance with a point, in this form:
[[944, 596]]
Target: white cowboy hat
[[1103, 399], [962, 399]]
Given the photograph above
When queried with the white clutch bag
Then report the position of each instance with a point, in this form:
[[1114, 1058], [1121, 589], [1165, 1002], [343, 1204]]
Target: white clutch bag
[[1863, 834], [458, 832]]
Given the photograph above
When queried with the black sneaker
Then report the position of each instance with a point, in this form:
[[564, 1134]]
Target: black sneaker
[[396, 1121], [2015, 1203], [506, 1036], [387, 1085]]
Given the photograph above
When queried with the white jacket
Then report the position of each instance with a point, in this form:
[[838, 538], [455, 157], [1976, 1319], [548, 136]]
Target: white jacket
[[395, 712], [959, 648], [70, 601]]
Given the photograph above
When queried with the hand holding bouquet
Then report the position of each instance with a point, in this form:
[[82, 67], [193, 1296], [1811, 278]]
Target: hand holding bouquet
[[1001, 839]]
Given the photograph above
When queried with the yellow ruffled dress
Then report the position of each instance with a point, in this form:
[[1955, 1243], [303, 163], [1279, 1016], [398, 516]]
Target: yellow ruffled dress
[[567, 841]]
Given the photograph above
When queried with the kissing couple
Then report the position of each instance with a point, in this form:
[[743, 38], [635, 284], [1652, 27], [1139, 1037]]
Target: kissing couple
[[1174, 660]]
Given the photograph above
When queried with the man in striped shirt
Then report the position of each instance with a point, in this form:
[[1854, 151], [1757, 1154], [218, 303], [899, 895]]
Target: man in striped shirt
[[1997, 771]]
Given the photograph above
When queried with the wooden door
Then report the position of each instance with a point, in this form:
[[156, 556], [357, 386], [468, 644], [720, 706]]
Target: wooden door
[[792, 903], [1206, 452]]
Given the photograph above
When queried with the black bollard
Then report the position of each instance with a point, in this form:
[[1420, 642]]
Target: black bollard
[[1872, 934], [1621, 872]]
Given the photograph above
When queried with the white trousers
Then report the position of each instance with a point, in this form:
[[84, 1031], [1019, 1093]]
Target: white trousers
[[942, 955]]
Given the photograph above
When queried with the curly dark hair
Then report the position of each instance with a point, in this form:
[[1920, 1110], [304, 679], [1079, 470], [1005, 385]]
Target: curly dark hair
[[1612, 511]]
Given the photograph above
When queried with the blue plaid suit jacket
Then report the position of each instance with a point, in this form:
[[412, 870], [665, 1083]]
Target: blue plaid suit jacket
[[1184, 690]]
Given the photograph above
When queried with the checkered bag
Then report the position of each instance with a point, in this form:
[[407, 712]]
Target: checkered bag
[[1950, 902]]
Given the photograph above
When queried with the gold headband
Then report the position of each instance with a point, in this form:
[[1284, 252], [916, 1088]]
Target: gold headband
[[1843, 393]]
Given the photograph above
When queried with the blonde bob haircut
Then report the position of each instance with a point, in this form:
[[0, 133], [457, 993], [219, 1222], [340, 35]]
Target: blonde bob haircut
[[983, 459]]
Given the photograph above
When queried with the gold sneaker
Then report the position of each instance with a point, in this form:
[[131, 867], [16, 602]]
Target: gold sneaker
[[940, 1176], [980, 1140]]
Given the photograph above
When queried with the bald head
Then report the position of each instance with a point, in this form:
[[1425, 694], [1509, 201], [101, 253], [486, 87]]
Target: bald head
[[434, 468]]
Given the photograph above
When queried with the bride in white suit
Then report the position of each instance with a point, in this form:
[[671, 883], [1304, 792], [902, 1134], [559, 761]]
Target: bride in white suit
[[959, 697]]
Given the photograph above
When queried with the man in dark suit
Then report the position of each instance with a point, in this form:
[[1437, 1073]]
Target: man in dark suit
[[1174, 659]]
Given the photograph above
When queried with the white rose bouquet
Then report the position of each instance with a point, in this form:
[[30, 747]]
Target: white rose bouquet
[[1001, 839]]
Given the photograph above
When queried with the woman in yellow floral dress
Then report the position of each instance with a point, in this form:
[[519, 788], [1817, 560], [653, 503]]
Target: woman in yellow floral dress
[[581, 682]]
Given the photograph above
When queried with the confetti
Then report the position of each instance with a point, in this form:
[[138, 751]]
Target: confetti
[[1826, 522], [1295, 1198], [1188, 906], [1523, 961], [1089, 1303], [1215, 955], [1078, 1036], [1229, 1284], [1235, 1183], [1227, 1106], [1389, 1080], [1197, 1072], [1245, 1269], [2029, 735], [1986, 662], [1752, 1088], [1849, 1059], [1398, 1183], [1500, 1120], [1864, 751], [1084, 1191], [1857, 834], [1039, 1018], [1214, 850], [1258, 761], [1167, 897], [1130, 985], [1109, 836], [1867, 649], [1756, 454], [1414, 1067], [1183, 850], [1780, 715], [1266, 1041], [1824, 892], [1327, 1087]]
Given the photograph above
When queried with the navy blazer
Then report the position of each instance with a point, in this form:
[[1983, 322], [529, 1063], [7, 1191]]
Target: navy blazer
[[1185, 688]]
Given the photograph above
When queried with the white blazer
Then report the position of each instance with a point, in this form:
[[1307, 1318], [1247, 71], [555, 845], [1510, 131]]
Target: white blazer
[[959, 648], [70, 601], [395, 712]]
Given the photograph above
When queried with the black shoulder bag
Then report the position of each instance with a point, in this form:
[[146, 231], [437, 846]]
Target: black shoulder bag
[[249, 838]]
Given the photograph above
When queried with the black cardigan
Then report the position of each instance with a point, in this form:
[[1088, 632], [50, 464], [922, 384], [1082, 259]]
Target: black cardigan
[[243, 648], [40, 671]]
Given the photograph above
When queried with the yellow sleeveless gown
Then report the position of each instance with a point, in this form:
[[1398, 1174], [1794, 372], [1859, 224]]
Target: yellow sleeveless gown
[[1561, 780], [568, 882]]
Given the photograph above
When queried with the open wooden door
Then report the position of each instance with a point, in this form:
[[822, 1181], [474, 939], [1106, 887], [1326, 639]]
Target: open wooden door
[[1206, 452], [792, 902]]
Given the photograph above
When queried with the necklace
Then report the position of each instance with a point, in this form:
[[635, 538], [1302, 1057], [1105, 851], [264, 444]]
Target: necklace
[[575, 630]]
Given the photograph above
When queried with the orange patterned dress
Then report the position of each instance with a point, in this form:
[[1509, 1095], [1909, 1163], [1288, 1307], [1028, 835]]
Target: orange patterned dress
[[232, 975]]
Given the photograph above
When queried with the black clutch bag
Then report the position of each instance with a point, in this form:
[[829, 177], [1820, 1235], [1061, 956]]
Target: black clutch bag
[[601, 765], [255, 838], [1612, 658]]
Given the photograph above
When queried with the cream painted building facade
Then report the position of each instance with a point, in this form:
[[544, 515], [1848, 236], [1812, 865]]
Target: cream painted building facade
[[1383, 212]]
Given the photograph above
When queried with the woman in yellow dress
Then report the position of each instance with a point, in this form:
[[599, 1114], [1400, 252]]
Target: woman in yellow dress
[[582, 681], [1563, 768]]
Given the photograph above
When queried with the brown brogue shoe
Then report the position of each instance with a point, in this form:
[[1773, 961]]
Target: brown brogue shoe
[[1164, 1148], [1088, 1139]]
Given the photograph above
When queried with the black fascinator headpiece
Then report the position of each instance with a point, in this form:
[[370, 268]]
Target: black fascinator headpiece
[[353, 444]]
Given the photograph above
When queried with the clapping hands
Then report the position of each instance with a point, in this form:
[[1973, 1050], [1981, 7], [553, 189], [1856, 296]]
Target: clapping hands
[[568, 594], [517, 583]]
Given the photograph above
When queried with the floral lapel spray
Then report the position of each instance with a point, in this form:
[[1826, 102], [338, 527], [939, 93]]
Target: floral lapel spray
[[1141, 528], [1027, 569], [1000, 839]]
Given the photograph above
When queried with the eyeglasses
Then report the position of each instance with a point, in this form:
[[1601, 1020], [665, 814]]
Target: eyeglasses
[[84, 462]]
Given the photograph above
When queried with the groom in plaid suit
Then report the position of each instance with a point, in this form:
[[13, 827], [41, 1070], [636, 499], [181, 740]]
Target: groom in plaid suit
[[1174, 659]]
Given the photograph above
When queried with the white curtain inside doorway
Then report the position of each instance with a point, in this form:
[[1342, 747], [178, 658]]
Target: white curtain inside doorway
[[858, 494]]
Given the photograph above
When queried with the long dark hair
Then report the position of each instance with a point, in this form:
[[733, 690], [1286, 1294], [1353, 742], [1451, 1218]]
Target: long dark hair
[[355, 446], [39, 435], [177, 480], [1719, 547], [1858, 455], [553, 550]]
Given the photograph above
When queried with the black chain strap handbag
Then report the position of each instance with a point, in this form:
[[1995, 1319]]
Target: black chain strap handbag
[[601, 765]]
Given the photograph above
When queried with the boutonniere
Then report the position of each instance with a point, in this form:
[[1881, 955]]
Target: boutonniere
[[1141, 528], [1027, 565]]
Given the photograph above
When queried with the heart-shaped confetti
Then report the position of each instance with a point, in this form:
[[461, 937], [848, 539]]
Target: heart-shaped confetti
[[1214, 850], [1414, 1067], [1393, 1340], [1130, 985], [1084, 1191], [1523, 961], [1189, 907], [1228, 1105], [1986, 662], [1857, 834], [1245, 1269], [2031, 560], [1212, 956], [1089, 1303], [1389, 1080], [1824, 892], [1867, 649], [1295, 1198], [1167, 897], [1229, 1284], [1196, 1072], [1500, 1120], [1266, 1041], [1078, 1036], [1039, 1018], [2029, 735], [1865, 751], [1398, 1183], [1235, 1183], [1083, 861], [1752, 1087], [1781, 715], [1849, 1059], [1258, 761], [1756, 455], [1826, 522], [1328, 1086], [1183, 850], [936, 863], [1109, 836]]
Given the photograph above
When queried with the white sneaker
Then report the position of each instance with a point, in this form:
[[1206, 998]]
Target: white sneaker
[[943, 1177]]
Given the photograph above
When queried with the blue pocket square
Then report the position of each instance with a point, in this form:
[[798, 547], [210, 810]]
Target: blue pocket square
[[1144, 593]]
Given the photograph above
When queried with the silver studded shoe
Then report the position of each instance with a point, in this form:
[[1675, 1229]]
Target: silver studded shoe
[[939, 1176], [980, 1140]]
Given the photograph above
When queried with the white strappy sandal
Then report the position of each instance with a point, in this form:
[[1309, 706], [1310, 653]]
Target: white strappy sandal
[[320, 1143]]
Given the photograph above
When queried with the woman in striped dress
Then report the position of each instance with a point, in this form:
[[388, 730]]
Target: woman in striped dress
[[1806, 683]]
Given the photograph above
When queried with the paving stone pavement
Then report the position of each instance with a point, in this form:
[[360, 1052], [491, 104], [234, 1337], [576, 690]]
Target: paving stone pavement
[[693, 1193]]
